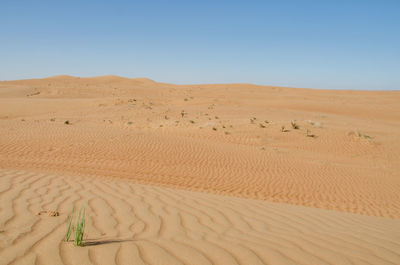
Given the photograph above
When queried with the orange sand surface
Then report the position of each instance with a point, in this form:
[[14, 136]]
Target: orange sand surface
[[198, 174]]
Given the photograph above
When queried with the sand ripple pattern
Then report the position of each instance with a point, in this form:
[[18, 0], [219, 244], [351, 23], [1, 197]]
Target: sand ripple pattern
[[129, 223], [364, 185]]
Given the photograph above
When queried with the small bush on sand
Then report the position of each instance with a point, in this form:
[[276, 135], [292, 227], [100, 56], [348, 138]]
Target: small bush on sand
[[294, 125], [361, 135], [309, 134]]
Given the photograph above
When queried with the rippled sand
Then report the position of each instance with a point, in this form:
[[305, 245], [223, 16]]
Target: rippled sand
[[199, 174]]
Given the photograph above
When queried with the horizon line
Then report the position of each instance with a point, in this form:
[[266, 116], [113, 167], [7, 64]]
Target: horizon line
[[60, 76]]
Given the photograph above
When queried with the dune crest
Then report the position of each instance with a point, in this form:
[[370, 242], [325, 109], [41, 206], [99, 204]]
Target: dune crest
[[61, 77]]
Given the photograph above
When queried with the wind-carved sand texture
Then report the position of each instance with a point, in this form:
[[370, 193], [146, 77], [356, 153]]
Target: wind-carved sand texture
[[198, 174], [129, 223]]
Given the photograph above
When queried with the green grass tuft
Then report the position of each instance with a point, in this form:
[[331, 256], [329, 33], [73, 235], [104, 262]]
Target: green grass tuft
[[80, 228], [70, 226]]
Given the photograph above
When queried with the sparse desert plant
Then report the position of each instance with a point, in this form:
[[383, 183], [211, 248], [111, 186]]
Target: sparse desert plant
[[262, 125], [70, 226], [216, 117], [309, 134], [183, 113], [33, 94], [214, 128], [80, 228], [227, 133], [67, 122], [266, 121], [191, 121], [294, 125], [185, 99], [314, 123], [361, 135]]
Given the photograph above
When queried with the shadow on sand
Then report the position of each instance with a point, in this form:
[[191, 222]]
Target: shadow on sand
[[95, 242]]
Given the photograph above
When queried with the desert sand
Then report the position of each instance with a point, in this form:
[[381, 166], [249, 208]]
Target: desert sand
[[198, 174]]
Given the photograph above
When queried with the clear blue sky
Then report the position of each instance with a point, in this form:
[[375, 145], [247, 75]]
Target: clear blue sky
[[339, 44]]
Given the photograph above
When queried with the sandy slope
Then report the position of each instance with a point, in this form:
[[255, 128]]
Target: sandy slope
[[228, 141], [216, 139], [129, 223]]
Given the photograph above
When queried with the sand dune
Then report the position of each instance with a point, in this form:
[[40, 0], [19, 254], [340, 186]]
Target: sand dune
[[210, 164], [137, 224], [198, 174], [228, 141]]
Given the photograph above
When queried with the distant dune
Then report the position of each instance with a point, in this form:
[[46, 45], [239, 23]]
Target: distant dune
[[198, 174]]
